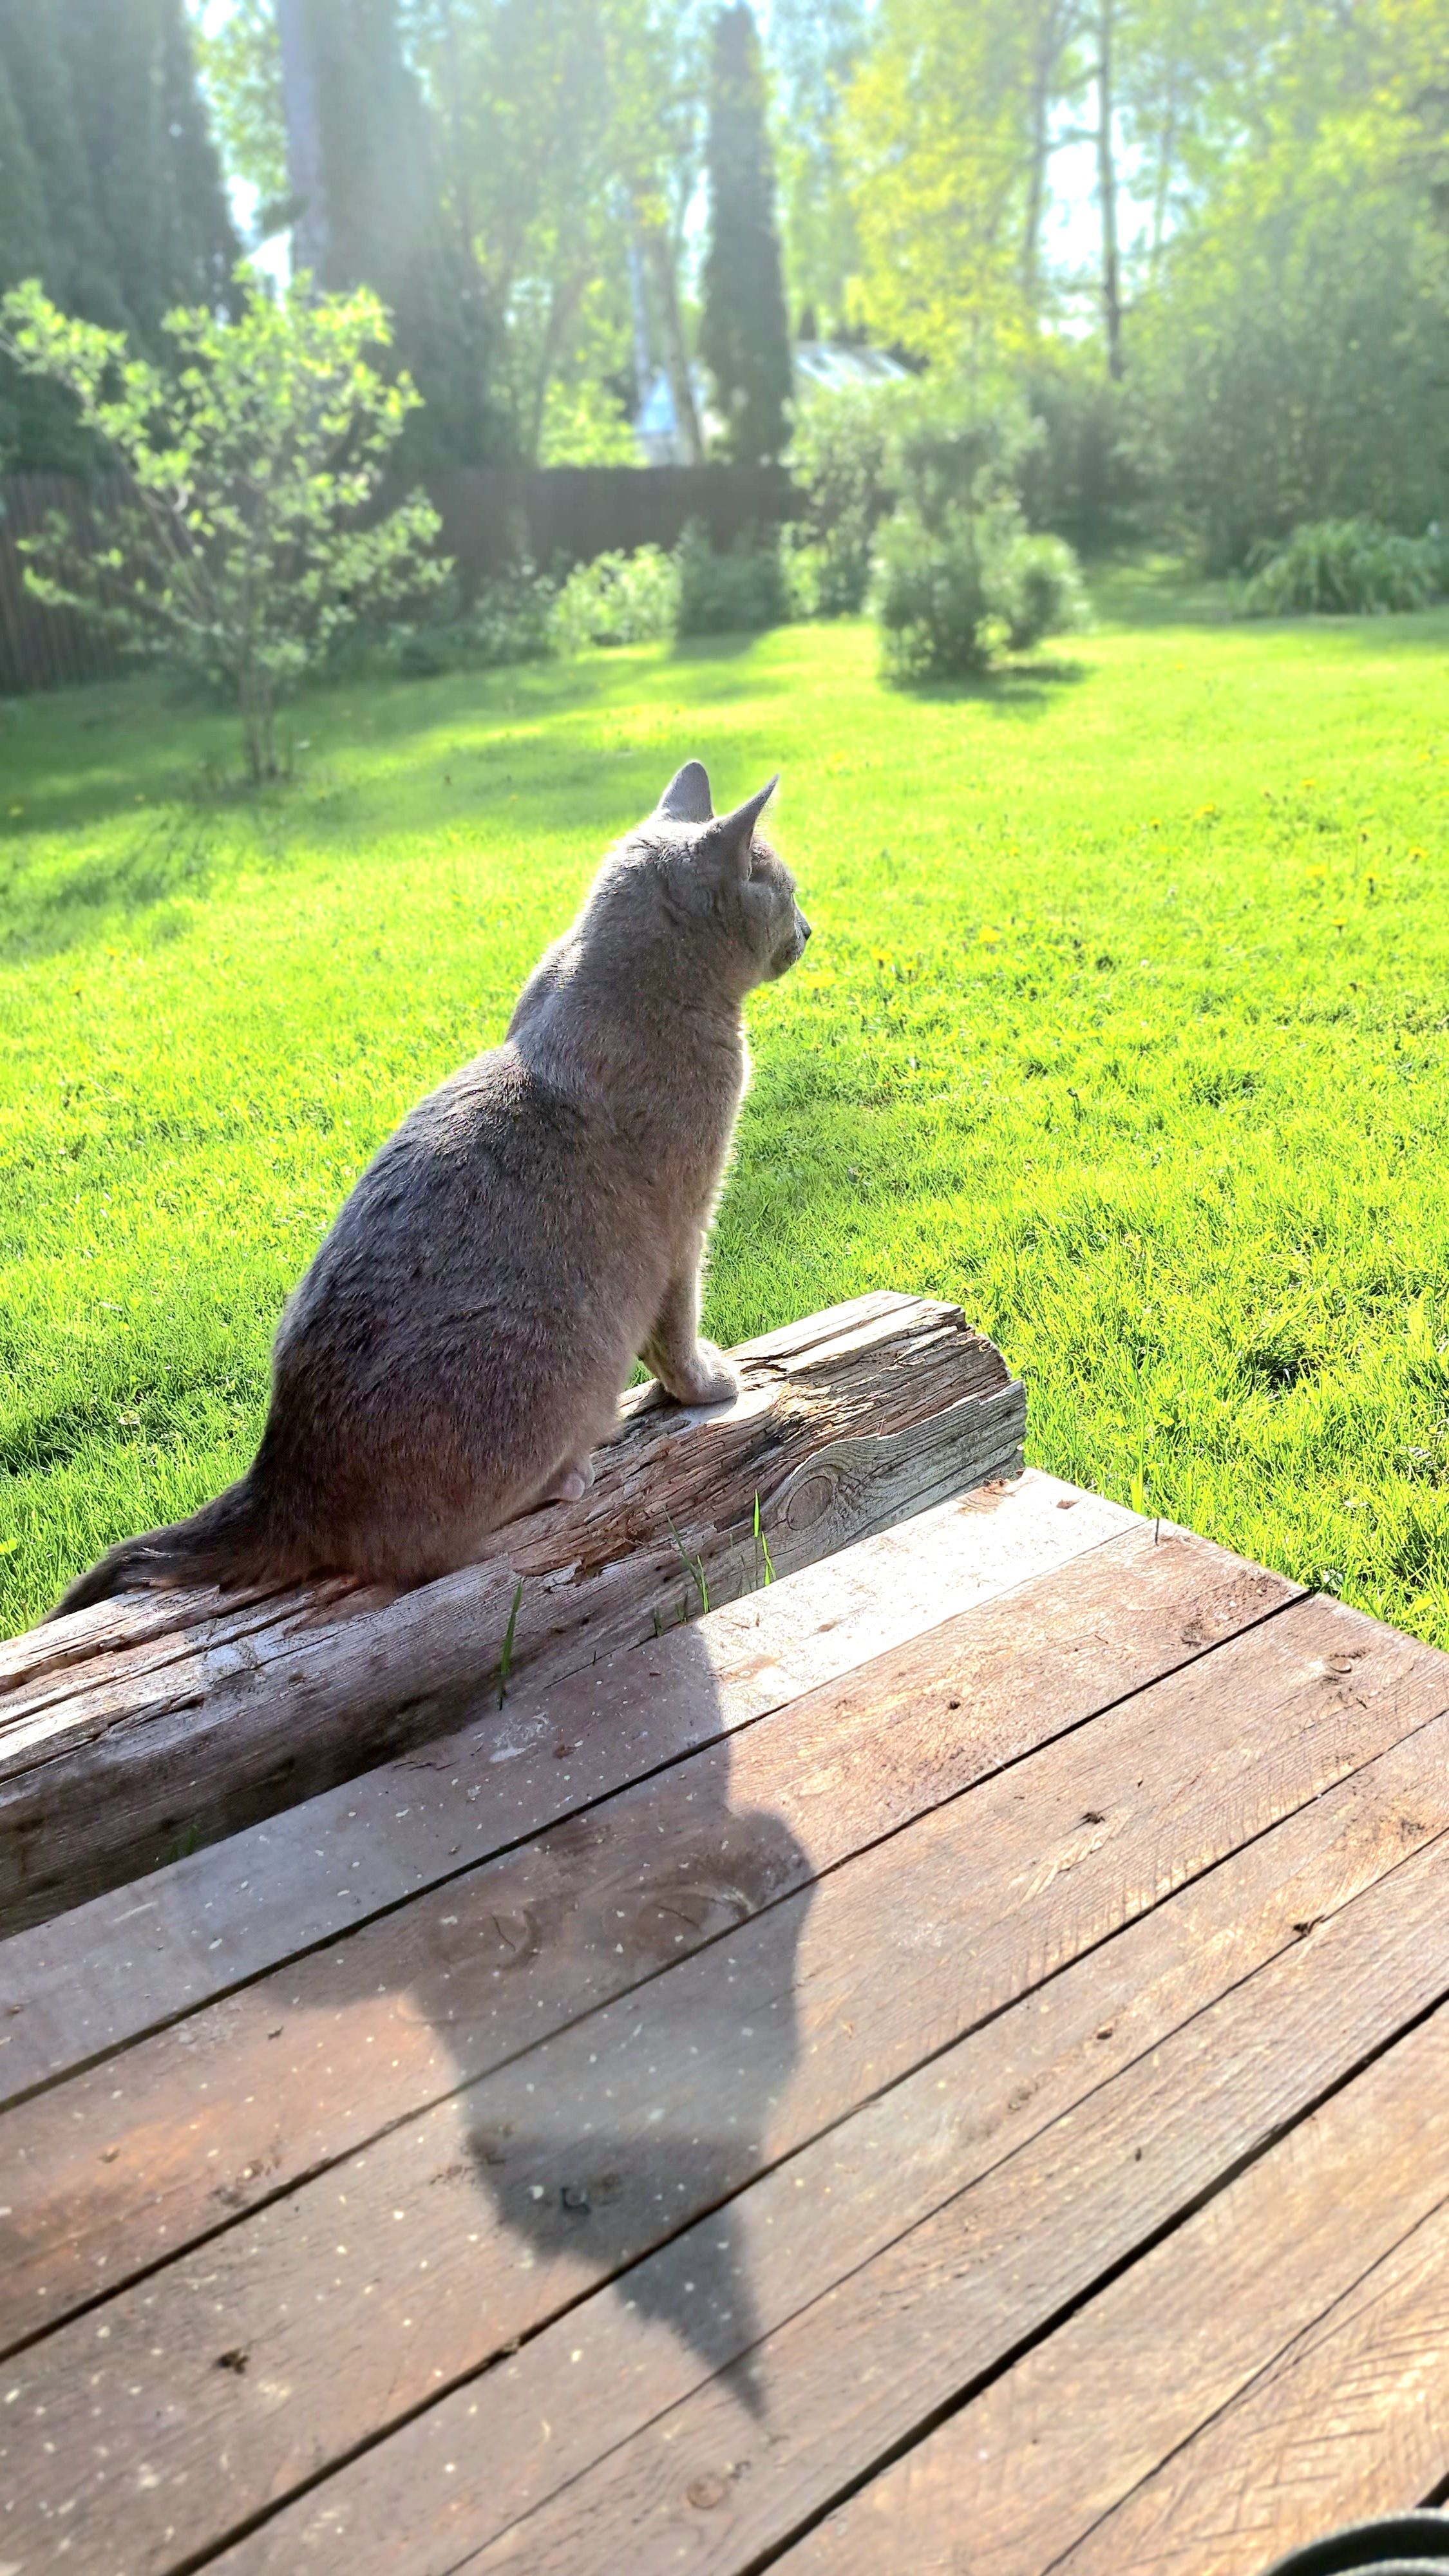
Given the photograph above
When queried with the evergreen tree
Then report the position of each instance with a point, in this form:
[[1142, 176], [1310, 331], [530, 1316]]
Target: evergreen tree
[[744, 333], [111, 195], [375, 217], [153, 168]]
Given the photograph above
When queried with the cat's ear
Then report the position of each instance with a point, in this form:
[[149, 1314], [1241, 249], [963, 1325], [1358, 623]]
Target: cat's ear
[[729, 842], [686, 798]]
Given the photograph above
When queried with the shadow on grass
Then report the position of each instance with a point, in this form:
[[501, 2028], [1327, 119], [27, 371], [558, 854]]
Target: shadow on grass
[[86, 758], [1012, 688]]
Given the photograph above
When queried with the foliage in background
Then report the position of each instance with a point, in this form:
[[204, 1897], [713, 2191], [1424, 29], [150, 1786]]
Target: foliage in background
[[1293, 362], [241, 547], [744, 332], [110, 188], [1086, 475], [839, 463], [816, 47], [960, 579], [1348, 568], [618, 599], [735, 591]]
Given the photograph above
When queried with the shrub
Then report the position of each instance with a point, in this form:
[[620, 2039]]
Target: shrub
[[733, 593], [1346, 568], [839, 463], [950, 598], [510, 621], [617, 599], [959, 577], [1084, 477], [244, 548]]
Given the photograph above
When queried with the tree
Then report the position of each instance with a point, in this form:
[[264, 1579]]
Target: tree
[[815, 47], [1293, 361], [245, 539], [111, 155], [154, 172], [948, 124], [365, 169], [745, 332]]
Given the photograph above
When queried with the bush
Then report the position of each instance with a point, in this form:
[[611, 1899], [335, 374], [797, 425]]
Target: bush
[[950, 598], [959, 576], [1346, 568], [617, 599], [510, 621], [1084, 476], [734, 593], [839, 463]]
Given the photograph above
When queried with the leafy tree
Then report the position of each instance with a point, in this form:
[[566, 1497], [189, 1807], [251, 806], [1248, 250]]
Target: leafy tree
[[245, 538], [241, 63], [559, 151], [816, 47], [947, 125], [1293, 362], [369, 184], [745, 333]]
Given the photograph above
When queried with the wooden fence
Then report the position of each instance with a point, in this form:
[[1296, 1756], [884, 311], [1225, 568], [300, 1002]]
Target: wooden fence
[[44, 648], [493, 517]]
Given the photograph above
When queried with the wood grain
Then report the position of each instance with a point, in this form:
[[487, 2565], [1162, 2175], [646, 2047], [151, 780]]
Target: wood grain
[[154, 2149], [496, 2448], [104, 1973], [727, 2477], [1351, 2421], [357, 2297], [106, 1775], [1183, 2387]]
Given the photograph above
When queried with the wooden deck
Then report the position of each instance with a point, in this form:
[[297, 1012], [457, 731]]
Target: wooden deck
[[939, 2066]]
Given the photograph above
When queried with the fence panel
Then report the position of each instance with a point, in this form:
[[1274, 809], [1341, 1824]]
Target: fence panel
[[493, 518], [44, 648]]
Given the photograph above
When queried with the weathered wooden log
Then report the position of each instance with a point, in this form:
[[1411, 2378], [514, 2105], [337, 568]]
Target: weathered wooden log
[[147, 1725]]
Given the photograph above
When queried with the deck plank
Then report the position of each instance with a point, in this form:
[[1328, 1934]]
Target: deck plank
[[155, 2147], [1159, 2420], [105, 1973], [1351, 2421], [840, 1990], [729, 2476], [462, 2472]]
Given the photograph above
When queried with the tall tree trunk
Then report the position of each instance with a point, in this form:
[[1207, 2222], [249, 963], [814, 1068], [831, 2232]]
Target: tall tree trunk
[[1166, 158], [305, 177], [659, 252], [1107, 193], [1051, 36], [639, 313]]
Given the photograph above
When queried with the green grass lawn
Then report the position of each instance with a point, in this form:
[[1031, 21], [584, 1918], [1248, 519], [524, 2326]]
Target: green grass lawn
[[1124, 1023]]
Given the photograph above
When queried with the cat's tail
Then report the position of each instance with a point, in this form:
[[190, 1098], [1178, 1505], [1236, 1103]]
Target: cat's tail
[[229, 1541]]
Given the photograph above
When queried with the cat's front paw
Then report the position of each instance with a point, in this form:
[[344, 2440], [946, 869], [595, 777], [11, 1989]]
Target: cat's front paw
[[705, 1378]]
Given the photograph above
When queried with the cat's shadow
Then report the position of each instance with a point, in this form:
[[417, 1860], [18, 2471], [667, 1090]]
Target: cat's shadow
[[653, 2111]]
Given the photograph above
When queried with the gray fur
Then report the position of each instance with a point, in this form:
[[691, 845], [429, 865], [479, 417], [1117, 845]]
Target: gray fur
[[459, 1344]]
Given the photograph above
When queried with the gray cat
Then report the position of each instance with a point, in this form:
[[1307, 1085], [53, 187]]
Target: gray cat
[[460, 1342]]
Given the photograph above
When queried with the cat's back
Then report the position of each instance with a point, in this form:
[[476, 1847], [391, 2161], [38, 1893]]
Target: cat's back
[[472, 1194]]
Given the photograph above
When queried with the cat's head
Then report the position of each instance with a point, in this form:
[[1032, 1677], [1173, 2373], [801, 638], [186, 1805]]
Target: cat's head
[[725, 885]]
